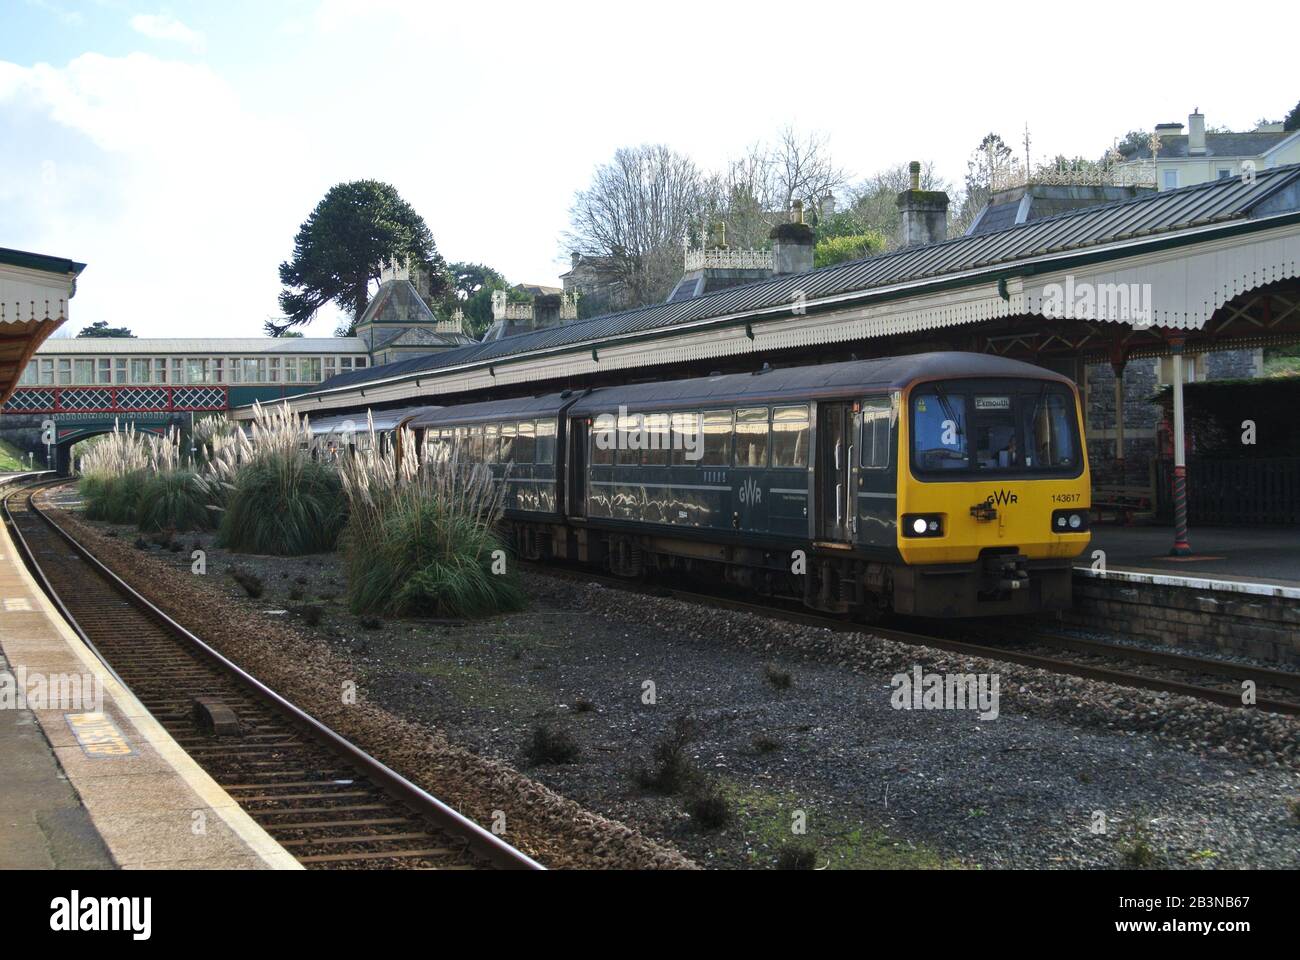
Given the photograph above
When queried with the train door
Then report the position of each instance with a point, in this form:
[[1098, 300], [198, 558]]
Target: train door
[[834, 479]]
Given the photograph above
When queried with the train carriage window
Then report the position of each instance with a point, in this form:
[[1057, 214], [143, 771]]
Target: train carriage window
[[876, 423], [603, 436], [790, 436], [626, 454], [656, 440], [508, 452], [475, 452], [1049, 430], [751, 437], [491, 448], [525, 444], [688, 441], [545, 441], [939, 430], [717, 438]]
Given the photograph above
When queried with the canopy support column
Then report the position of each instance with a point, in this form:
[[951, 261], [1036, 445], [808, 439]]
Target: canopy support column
[[1181, 547]]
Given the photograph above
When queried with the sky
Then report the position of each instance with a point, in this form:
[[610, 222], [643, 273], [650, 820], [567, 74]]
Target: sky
[[175, 149]]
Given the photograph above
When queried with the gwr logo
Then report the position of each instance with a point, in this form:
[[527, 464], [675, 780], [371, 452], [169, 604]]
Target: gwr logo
[[1002, 498], [750, 492]]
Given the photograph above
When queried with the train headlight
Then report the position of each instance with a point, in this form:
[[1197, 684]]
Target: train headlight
[[1069, 521], [922, 525]]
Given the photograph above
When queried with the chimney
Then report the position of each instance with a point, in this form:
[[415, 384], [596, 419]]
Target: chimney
[[792, 244], [1196, 133], [574, 258], [827, 207], [923, 213]]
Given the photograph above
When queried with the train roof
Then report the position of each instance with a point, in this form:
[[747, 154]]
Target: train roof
[[520, 408], [809, 382], [384, 420]]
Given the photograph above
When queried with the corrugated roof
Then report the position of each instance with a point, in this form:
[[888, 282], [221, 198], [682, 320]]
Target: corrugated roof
[[1173, 210]]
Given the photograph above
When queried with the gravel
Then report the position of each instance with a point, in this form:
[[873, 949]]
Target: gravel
[[1071, 773]]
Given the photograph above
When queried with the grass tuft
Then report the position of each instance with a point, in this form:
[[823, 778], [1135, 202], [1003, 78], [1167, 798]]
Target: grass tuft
[[779, 679], [172, 501], [797, 855], [672, 770], [709, 807], [251, 582]]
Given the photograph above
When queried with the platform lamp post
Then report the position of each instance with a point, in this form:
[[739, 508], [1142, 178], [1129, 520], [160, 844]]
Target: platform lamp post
[[1181, 547]]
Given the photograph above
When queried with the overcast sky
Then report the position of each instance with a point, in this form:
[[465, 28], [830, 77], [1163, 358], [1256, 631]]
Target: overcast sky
[[176, 149]]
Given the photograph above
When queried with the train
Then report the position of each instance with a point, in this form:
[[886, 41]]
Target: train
[[942, 484]]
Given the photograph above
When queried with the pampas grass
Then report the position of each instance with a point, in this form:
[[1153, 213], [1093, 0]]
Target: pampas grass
[[274, 498], [421, 535]]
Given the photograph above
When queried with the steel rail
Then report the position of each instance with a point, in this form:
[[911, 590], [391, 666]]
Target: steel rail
[[484, 843]]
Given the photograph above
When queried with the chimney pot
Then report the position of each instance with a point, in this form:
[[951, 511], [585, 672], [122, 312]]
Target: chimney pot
[[796, 212], [914, 170]]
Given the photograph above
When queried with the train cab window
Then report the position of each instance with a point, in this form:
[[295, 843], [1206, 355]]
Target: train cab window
[[687, 440], [751, 437], [790, 437], [1049, 431], [995, 438], [876, 417], [656, 439], [939, 431], [545, 441], [491, 448], [508, 452], [717, 438], [525, 442]]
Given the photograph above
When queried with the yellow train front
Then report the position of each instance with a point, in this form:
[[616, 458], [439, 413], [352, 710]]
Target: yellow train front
[[993, 491]]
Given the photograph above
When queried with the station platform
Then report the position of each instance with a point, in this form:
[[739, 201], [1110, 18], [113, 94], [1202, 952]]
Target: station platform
[[91, 780], [1228, 558]]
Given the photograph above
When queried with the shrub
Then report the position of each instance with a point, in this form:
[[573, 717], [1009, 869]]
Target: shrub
[[550, 746], [779, 679], [172, 501], [797, 855], [672, 770], [283, 504], [708, 807], [421, 537], [114, 499], [251, 582]]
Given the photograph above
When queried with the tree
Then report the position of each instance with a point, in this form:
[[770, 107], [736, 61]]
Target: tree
[[757, 190], [101, 329], [636, 212], [1133, 141], [470, 289], [873, 205], [1292, 121], [341, 246]]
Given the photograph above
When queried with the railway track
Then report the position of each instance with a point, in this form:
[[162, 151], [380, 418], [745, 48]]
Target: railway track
[[324, 800], [1206, 670]]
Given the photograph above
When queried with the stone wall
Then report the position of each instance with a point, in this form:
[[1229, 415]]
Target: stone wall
[[1191, 620]]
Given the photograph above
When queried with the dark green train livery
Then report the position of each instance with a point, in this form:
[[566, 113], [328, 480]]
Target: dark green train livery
[[826, 483]]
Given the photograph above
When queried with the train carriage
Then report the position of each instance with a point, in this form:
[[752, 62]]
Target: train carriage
[[944, 484]]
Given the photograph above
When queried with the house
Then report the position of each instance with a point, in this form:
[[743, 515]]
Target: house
[[1197, 156]]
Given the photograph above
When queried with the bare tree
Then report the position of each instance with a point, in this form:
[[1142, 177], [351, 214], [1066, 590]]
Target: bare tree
[[636, 212], [874, 201]]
